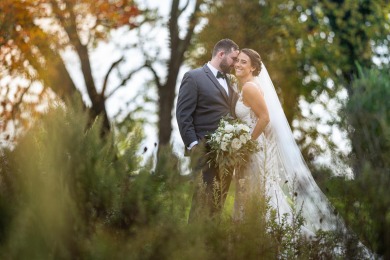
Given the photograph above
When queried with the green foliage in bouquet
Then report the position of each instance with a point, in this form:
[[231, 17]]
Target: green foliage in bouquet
[[230, 145]]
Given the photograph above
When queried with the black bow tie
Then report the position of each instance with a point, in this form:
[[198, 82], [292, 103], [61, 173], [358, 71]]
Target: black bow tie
[[221, 75]]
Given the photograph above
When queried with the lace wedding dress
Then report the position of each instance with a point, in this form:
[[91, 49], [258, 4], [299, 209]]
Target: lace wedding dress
[[278, 171], [263, 174]]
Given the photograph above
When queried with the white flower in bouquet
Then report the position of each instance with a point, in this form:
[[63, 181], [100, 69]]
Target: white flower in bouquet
[[224, 146], [229, 128], [244, 138], [227, 137], [242, 127], [236, 144], [239, 128]]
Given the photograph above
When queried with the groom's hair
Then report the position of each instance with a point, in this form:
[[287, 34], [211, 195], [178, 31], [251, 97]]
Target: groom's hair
[[225, 45]]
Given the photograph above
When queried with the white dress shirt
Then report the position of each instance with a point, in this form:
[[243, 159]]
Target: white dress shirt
[[220, 80]]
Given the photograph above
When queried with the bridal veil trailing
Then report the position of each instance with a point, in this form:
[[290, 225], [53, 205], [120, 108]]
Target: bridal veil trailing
[[294, 175]]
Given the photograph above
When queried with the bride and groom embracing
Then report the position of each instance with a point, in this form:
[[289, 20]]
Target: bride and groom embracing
[[278, 169]]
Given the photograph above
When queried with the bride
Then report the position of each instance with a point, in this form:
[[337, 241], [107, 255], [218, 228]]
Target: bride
[[278, 170]]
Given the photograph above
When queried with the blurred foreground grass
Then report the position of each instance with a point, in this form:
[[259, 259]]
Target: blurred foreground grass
[[66, 192]]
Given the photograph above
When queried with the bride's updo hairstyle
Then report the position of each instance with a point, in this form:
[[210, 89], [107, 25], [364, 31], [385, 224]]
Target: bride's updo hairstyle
[[255, 60]]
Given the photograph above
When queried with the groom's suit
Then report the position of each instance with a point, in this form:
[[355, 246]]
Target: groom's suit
[[201, 103]]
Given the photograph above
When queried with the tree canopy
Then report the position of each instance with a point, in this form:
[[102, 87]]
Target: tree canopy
[[33, 38], [310, 50]]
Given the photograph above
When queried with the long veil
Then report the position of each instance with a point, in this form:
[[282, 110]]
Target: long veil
[[293, 170]]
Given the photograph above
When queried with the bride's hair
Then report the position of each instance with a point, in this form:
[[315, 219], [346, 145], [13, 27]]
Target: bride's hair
[[255, 58]]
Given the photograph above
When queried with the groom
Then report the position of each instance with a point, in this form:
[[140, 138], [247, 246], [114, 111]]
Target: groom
[[205, 96]]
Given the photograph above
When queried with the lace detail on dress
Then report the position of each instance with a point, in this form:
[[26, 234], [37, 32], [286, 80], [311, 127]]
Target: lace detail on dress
[[261, 175], [245, 113]]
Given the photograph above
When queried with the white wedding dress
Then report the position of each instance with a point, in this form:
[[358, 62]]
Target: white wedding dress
[[279, 171], [261, 174]]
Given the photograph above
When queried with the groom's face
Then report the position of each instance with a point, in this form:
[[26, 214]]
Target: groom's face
[[228, 61]]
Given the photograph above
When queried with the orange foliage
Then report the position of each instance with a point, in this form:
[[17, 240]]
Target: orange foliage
[[32, 35]]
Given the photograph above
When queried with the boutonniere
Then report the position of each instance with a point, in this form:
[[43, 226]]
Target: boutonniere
[[233, 82]]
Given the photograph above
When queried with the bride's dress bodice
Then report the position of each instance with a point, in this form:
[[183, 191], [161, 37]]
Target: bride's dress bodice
[[247, 116], [245, 113]]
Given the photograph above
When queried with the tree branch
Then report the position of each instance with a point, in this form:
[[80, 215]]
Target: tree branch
[[82, 51], [193, 22], [108, 74], [124, 81], [184, 8], [172, 24], [16, 105], [154, 72], [178, 44]]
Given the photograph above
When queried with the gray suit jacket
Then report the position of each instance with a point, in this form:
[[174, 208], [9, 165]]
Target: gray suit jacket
[[201, 103]]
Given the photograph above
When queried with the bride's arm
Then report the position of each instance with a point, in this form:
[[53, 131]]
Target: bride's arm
[[254, 98]]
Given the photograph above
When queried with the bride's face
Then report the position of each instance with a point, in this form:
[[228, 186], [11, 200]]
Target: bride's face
[[243, 67]]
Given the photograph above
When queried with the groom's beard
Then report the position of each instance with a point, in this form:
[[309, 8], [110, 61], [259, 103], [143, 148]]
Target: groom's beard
[[225, 67]]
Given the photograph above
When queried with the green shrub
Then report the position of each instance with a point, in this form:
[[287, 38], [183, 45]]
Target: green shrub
[[67, 192], [367, 198]]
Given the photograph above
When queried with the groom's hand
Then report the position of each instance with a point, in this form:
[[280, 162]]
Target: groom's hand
[[194, 148], [197, 157], [194, 151]]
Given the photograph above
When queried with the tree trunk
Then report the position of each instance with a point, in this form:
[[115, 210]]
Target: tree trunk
[[178, 46]]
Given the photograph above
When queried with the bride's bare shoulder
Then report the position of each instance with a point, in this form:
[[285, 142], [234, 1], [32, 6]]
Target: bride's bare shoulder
[[252, 88]]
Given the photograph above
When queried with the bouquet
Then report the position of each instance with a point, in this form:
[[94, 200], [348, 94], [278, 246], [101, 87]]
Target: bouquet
[[230, 145]]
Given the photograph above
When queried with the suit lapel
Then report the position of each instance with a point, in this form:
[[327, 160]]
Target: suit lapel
[[233, 97], [230, 89], [216, 83]]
